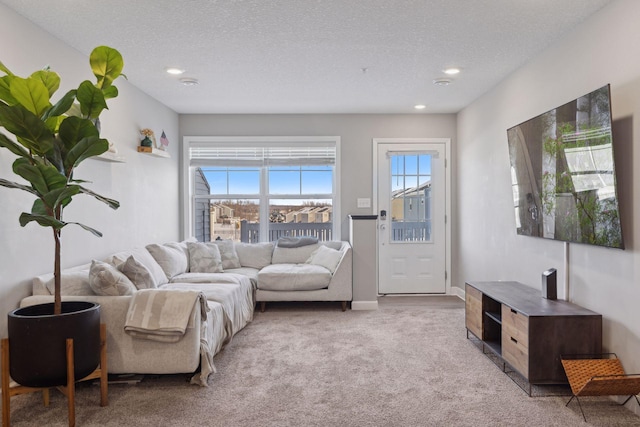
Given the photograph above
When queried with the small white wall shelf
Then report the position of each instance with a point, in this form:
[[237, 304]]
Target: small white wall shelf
[[109, 157], [153, 151]]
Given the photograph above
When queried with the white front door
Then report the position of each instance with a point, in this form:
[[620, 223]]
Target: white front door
[[411, 218]]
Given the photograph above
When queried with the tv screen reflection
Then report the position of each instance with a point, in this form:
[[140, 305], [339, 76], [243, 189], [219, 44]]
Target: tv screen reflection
[[563, 173]]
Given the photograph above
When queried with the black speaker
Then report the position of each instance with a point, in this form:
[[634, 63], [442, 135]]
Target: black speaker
[[549, 284]]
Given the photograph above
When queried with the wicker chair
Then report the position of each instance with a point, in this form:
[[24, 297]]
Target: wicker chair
[[599, 375]]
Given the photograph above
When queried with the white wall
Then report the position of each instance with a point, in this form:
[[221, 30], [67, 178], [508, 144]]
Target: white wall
[[355, 130], [147, 187], [603, 50]]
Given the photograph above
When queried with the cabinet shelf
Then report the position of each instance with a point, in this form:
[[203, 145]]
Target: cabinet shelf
[[497, 317]]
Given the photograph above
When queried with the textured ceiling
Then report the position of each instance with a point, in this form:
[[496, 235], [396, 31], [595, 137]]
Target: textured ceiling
[[308, 56]]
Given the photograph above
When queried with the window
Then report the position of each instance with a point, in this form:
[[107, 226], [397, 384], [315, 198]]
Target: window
[[261, 188]]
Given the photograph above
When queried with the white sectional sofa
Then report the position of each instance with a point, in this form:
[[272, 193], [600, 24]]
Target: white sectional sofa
[[226, 275]]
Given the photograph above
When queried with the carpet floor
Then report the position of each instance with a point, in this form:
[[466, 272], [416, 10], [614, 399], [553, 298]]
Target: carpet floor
[[309, 364]]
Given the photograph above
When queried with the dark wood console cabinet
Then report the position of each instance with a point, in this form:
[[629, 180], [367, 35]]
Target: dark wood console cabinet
[[529, 332]]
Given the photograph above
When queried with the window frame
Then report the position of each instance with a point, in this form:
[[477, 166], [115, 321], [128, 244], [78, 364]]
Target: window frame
[[187, 198]]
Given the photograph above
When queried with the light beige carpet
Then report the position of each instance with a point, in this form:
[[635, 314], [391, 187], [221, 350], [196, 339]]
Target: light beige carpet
[[407, 364]]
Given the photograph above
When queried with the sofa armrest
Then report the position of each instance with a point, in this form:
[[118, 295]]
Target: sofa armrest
[[128, 355], [341, 284]]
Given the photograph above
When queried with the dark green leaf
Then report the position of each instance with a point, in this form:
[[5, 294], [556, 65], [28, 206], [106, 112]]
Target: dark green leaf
[[10, 184], [39, 208], [85, 148], [43, 220], [62, 106], [106, 64], [27, 127], [74, 129], [110, 92], [12, 146], [31, 93], [91, 100], [43, 178], [56, 154], [114, 204], [60, 196], [89, 229]]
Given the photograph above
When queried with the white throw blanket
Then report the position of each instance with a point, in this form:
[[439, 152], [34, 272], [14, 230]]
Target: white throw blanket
[[162, 314]]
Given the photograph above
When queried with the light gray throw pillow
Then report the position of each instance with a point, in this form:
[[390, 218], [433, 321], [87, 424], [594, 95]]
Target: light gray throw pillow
[[106, 280], [138, 273], [204, 258], [228, 253]]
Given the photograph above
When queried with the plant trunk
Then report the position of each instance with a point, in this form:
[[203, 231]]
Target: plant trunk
[[57, 299]]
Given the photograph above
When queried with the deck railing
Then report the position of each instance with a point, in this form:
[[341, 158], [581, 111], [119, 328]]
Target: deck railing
[[250, 231]]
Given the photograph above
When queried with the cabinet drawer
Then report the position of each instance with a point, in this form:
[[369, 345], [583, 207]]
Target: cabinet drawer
[[515, 325], [515, 354], [473, 310]]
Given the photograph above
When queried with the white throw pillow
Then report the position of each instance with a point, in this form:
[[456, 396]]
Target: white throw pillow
[[106, 280], [293, 255], [228, 253], [254, 255], [72, 282], [171, 258], [326, 257], [138, 273], [204, 258]]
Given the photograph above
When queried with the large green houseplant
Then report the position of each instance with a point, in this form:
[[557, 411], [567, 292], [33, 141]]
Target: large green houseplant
[[50, 140]]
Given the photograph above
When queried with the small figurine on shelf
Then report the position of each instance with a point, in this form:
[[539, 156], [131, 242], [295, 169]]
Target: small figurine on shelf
[[149, 138]]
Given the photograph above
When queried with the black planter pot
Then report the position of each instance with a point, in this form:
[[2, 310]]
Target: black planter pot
[[37, 342]]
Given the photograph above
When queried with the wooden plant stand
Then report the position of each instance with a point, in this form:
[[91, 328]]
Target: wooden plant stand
[[9, 390]]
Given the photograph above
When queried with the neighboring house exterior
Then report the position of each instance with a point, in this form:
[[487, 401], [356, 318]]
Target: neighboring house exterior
[[202, 208]]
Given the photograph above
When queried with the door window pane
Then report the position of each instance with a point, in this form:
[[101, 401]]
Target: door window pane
[[410, 198]]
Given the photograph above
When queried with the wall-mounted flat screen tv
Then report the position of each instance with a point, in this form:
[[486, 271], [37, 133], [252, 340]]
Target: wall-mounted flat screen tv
[[563, 173]]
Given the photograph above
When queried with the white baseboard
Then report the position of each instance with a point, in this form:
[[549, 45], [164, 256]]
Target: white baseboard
[[364, 305], [459, 292]]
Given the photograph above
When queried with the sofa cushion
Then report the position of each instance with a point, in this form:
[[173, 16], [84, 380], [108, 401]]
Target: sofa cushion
[[137, 273], [106, 280], [293, 255], [293, 277], [254, 255], [143, 256], [228, 253], [73, 281], [326, 257], [204, 258], [250, 272], [171, 258]]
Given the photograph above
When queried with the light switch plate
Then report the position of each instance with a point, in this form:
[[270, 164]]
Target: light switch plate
[[364, 203]]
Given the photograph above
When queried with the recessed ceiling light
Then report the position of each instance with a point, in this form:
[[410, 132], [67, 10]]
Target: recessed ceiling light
[[420, 107], [452, 71], [175, 71], [442, 82], [188, 81]]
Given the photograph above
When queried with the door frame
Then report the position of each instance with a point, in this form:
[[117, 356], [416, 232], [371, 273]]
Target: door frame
[[447, 192]]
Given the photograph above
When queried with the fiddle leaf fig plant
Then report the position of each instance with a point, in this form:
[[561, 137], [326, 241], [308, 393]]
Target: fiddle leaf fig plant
[[51, 140]]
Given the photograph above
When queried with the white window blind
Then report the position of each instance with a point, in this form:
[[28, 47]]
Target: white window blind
[[311, 154]]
